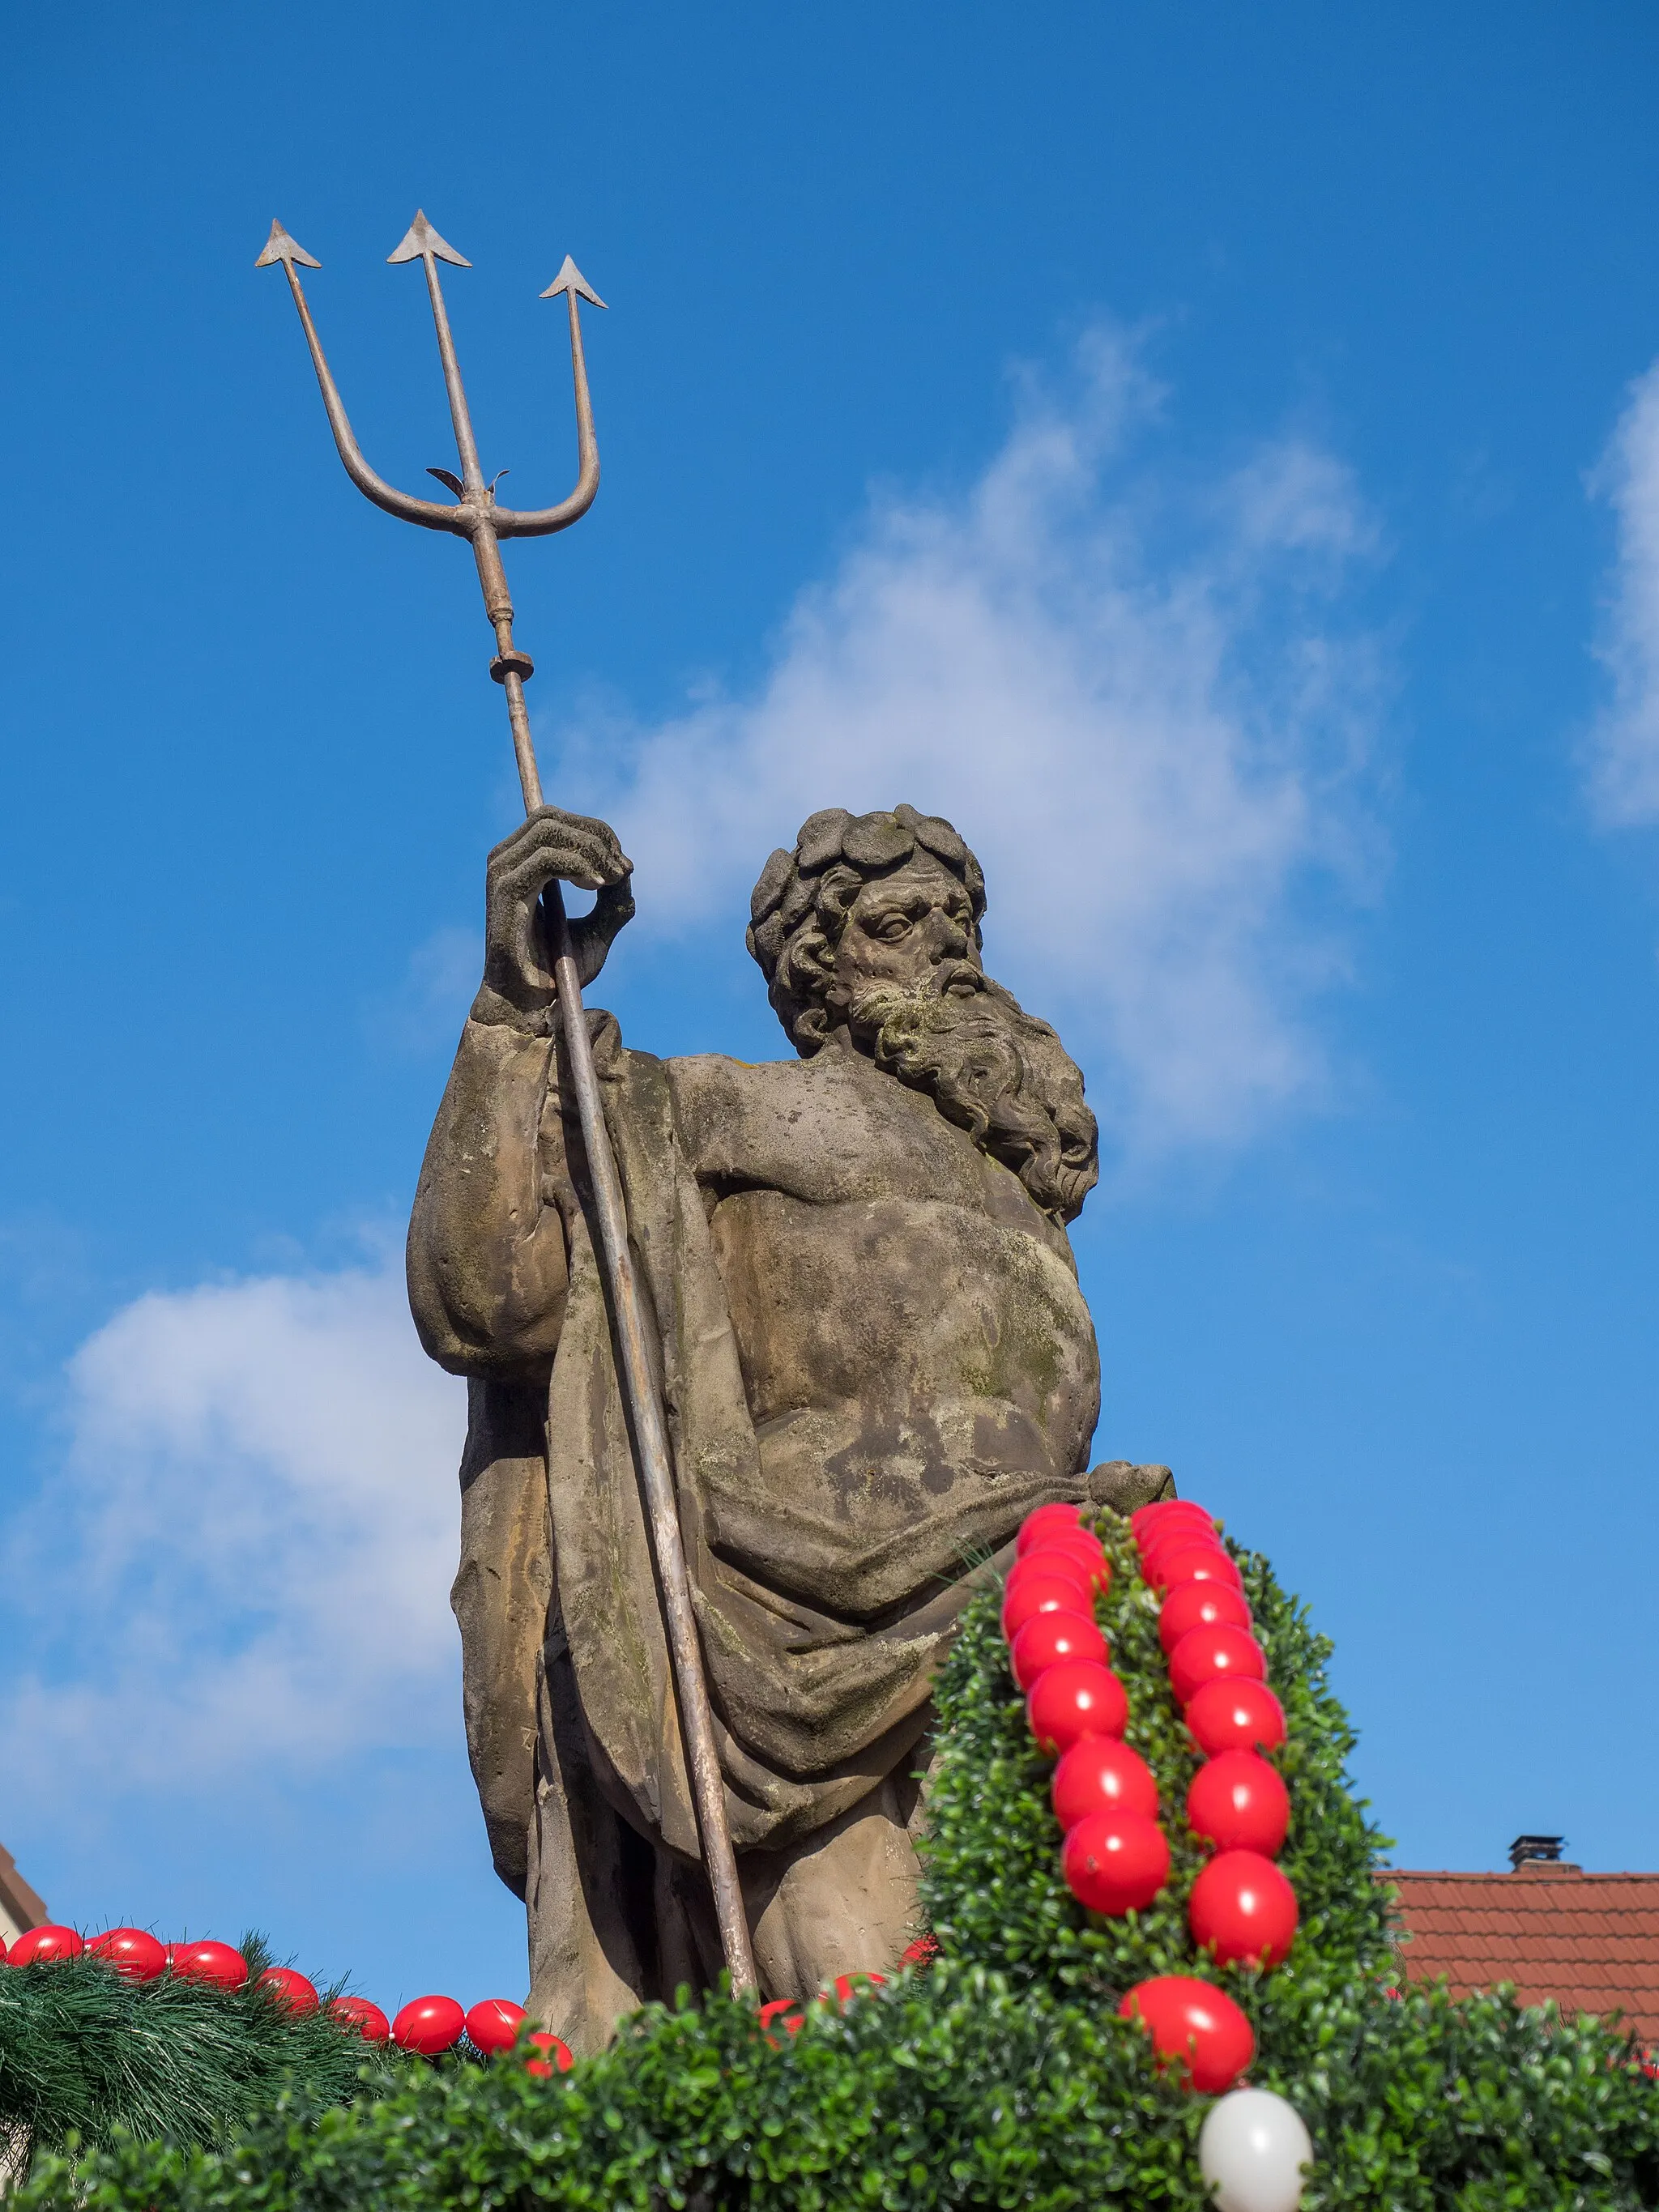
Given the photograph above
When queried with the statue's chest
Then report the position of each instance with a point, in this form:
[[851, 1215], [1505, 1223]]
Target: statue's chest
[[834, 1131], [871, 1254]]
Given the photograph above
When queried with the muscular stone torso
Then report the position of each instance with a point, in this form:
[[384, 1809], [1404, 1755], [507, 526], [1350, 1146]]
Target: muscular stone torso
[[916, 1354]]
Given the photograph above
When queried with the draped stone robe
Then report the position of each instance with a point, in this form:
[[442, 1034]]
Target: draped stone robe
[[821, 1248]]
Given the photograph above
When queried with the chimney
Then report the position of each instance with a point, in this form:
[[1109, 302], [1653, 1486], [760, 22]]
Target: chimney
[[1527, 1849]]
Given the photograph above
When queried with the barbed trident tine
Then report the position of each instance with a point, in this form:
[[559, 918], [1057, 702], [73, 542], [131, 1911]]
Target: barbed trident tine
[[477, 517]]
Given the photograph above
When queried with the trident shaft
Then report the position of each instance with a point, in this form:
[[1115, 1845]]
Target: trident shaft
[[477, 517]]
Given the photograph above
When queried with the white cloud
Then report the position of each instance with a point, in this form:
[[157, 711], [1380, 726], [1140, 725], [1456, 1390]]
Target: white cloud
[[246, 1547], [1137, 699], [1624, 750]]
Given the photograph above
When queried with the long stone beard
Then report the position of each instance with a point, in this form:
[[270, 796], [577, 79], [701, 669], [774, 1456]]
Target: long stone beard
[[994, 1069]]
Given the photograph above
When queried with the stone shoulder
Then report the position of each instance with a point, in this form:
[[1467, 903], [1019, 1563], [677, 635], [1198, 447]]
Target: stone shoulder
[[836, 1129]]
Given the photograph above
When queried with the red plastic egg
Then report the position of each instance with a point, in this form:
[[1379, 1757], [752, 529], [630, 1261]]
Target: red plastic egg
[[1042, 1594], [1155, 1559], [1242, 1907], [1195, 2027], [1200, 1605], [494, 2025], [1186, 1556], [1196, 1563], [1049, 1638], [1115, 1862], [1165, 1514], [1085, 1552], [1047, 1565], [1178, 1514], [1078, 1698], [1235, 1714], [1043, 1521], [1101, 1775], [786, 2014], [36, 1945], [429, 2024], [134, 1953], [1165, 1542], [1214, 1655], [852, 1985], [370, 2023], [1237, 1803], [291, 1990], [559, 2053], [220, 1963], [1072, 1564]]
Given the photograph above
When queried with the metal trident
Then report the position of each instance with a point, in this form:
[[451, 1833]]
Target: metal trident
[[476, 517]]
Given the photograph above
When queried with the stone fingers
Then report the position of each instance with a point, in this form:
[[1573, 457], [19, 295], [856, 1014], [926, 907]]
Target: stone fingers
[[573, 847], [591, 934]]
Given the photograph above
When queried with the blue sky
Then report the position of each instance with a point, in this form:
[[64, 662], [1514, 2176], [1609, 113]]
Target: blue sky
[[1205, 453]]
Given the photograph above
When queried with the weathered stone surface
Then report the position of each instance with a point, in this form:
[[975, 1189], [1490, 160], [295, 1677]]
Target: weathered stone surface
[[875, 1360]]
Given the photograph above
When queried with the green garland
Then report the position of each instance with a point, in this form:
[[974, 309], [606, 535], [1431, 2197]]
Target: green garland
[[82, 2049], [1000, 2075]]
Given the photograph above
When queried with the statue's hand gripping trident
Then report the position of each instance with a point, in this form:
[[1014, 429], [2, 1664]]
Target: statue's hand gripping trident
[[476, 516]]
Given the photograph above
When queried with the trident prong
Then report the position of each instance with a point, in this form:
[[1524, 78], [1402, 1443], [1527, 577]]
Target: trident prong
[[476, 517], [430, 512]]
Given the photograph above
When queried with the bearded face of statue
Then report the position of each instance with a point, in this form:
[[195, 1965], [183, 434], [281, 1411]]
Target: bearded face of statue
[[911, 933], [887, 955]]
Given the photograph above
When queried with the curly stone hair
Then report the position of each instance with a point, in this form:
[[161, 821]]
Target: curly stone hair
[[802, 900]]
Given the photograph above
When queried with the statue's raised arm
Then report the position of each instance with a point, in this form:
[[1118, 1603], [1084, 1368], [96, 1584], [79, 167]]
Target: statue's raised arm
[[488, 1262]]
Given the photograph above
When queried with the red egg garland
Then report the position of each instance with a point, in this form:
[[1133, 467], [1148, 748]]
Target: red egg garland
[[1115, 1856], [1241, 1906], [428, 2025]]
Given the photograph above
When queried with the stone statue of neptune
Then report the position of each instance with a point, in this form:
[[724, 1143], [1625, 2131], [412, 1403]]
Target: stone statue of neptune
[[875, 1360]]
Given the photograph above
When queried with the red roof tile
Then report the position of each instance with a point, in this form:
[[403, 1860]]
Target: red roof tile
[[1589, 1941]]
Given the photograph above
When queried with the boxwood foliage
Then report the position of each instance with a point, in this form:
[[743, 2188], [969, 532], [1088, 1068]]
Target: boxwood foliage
[[1001, 2076]]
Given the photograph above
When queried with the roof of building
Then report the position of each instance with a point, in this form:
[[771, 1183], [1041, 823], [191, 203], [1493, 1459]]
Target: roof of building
[[1589, 1941], [20, 1908]]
